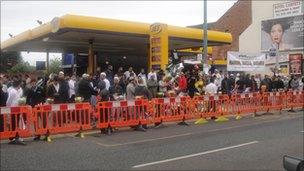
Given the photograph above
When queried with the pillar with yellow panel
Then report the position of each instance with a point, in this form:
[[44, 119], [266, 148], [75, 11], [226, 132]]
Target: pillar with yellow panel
[[159, 46]]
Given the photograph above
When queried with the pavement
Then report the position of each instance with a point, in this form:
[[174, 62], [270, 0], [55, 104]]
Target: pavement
[[251, 143]]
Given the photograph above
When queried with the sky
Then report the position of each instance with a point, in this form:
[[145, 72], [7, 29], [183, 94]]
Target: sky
[[18, 16]]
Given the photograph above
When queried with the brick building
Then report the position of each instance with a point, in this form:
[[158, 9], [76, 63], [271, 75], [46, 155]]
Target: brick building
[[234, 21]]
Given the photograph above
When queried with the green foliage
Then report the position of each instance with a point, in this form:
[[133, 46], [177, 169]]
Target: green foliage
[[55, 65], [22, 67], [9, 59]]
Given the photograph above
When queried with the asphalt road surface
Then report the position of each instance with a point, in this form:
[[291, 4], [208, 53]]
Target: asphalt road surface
[[251, 143]]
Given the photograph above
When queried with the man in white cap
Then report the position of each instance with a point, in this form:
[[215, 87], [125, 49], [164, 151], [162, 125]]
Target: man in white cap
[[103, 76], [63, 88], [130, 91]]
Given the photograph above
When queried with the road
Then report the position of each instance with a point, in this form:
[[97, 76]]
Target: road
[[251, 143]]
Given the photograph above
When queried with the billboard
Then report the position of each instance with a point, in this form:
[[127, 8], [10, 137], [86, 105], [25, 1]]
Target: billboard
[[295, 64], [245, 62], [282, 33]]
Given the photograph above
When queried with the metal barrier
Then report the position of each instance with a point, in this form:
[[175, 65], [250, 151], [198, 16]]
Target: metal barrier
[[15, 122], [62, 118]]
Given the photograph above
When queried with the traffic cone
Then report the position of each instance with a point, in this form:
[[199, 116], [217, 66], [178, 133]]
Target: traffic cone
[[201, 121]]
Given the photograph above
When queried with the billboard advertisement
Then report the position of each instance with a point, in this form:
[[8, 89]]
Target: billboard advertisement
[[282, 33], [295, 64], [237, 61]]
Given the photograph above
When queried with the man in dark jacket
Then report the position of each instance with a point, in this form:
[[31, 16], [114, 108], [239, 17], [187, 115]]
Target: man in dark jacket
[[85, 89], [116, 91], [63, 89], [37, 93], [227, 85], [110, 75], [266, 82], [142, 90]]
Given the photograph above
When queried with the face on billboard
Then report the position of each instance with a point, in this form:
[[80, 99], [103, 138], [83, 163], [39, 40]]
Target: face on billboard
[[276, 33], [282, 33]]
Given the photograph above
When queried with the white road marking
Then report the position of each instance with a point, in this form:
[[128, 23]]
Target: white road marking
[[154, 139], [302, 131], [193, 155], [193, 133]]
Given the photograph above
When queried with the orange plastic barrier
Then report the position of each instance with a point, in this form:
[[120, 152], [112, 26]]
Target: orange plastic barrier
[[210, 106], [15, 122], [295, 99], [23, 121], [274, 101], [62, 118], [245, 103], [171, 109], [122, 113]]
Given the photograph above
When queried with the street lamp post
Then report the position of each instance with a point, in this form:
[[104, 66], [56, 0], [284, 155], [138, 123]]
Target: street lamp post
[[205, 58]]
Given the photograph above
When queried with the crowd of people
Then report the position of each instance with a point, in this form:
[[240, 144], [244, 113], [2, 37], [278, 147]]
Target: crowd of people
[[59, 88], [127, 85]]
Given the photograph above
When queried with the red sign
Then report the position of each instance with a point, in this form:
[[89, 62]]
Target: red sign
[[295, 64]]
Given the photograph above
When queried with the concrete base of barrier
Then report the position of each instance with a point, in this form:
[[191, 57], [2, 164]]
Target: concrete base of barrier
[[183, 123], [201, 121], [160, 125], [80, 135], [238, 117], [17, 141], [48, 139], [221, 119], [291, 110], [140, 128], [267, 113]]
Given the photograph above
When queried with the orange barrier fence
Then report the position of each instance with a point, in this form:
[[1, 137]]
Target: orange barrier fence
[[15, 122], [61, 118], [210, 106], [122, 113], [24, 121], [171, 109], [295, 99], [274, 101]]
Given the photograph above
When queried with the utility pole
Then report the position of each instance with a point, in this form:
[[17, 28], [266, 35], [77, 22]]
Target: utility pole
[[47, 62], [205, 35]]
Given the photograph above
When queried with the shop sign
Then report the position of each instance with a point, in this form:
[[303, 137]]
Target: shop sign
[[287, 9], [295, 64]]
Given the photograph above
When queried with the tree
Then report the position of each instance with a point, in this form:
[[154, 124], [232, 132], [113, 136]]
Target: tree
[[9, 59], [22, 67], [55, 65]]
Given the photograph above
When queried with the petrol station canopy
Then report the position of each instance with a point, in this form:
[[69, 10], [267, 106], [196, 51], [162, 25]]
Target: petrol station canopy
[[74, 32]]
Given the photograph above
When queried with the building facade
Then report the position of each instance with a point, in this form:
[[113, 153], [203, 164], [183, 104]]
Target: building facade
[[253, 38]]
